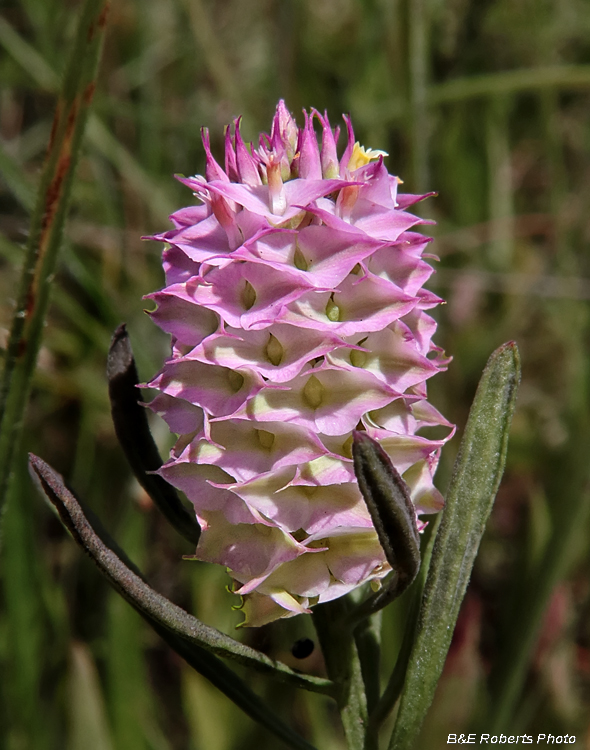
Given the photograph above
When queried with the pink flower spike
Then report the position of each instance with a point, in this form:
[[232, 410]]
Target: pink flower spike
[[296, 306]]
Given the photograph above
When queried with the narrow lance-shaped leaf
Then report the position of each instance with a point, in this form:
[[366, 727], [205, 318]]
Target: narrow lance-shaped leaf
[[150, 603], [395, 684], [134, 435], [476, 477], [388, 499], [207, 664]]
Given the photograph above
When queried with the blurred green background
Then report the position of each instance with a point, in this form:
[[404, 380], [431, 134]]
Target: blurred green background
[[486, 102]]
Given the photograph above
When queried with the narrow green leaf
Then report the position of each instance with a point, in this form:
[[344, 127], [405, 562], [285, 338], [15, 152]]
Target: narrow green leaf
[[476, 477], [156, 608], [89, 725], [388, 500], [395, 684]]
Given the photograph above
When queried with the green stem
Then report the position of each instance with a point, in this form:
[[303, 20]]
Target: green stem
[[344, 669], [46, 232], [418, 78], [396, 681], [367, 637]]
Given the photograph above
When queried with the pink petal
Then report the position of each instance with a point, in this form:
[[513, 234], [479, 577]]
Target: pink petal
[[218, 390], [344, 398], [245, 450], [297, 346], [367, 304]]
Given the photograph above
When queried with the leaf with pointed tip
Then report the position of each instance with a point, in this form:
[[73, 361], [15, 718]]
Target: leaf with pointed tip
[[152, 605], [134, 435], [476, 478], [388, 499]]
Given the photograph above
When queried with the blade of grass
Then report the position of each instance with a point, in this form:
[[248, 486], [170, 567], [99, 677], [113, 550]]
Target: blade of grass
[[476, 477], [28, 57], [96, 132], [90, 728], [418, 32], [23, 614], [13, 176], [46, 231]]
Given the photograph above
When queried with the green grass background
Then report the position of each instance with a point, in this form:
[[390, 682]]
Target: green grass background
[[487, 102]]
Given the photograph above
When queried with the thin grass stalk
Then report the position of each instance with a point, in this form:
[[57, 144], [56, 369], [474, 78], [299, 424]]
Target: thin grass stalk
[[500, 203], [214, 56], [46, 232], [564, 77], [418, 91], [465, 88], [507, 680], [97, 133]]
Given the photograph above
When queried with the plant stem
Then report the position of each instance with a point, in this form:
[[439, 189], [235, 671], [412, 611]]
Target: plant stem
[[344, 669], [46, 232]]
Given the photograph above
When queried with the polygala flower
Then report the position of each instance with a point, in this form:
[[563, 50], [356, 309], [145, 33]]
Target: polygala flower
[[294, 296]]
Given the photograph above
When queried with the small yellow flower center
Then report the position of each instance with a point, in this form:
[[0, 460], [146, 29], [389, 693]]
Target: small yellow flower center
[[313, 393], [299, 260], [266, 439], [332, 310], [358, 359], [248, 295], [274, 350], [361, 156], [235, 380]]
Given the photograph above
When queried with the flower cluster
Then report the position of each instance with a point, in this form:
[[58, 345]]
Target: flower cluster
[[294, 296]]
